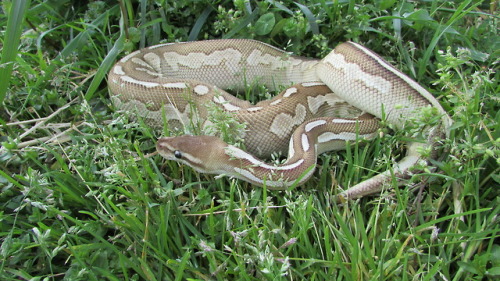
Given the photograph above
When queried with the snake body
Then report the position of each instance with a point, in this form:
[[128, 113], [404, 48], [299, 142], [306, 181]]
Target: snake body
[[332, 101]]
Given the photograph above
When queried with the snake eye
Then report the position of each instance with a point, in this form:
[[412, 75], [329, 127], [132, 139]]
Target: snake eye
[[177, 154]]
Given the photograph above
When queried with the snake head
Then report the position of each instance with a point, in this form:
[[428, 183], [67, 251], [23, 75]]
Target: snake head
[[205, 154]]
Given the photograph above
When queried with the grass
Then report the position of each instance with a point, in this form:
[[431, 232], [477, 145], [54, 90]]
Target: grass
[[83, 198]]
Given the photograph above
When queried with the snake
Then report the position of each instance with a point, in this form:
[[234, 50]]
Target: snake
[[324, 105]]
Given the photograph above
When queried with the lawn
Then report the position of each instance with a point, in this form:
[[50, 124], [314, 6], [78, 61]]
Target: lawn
[[84, 196]]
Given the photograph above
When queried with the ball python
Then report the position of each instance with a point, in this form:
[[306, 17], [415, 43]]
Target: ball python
[[332, 101]]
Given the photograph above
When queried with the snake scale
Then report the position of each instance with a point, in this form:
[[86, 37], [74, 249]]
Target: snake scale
[[330, 102]]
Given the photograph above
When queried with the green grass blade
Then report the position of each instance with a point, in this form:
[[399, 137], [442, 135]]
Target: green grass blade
[[243, 24], [195, 31], [11, 43], [105, 66], [459, 13], [310, 18]]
